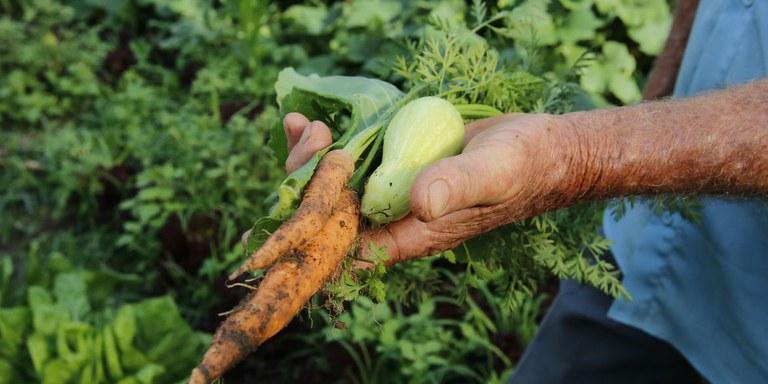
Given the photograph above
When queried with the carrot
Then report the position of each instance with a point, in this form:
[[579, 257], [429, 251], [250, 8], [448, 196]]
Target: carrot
[[286, 288], [322, 193]]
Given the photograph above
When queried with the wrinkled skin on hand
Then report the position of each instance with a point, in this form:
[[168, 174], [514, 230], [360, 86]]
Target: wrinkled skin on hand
[[510, 169], [520, 165]]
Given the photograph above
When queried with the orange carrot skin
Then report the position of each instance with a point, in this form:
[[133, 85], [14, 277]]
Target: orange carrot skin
[[321, 195], [286, 288]]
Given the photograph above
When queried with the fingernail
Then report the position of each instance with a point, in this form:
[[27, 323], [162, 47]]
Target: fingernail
[[307, 133], [438, 197]]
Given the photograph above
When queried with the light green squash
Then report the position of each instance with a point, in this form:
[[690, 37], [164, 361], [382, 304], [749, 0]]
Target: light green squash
[[423, 131]]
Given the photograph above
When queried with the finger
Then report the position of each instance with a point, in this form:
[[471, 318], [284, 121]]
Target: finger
[[401, 239], [244, 239], [478, 126], [294, 124], [314, 138], [411, 238], [470, 179]]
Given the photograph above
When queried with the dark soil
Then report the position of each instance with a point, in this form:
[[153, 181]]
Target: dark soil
[[120, 58], [189, 247], [228, 109], [114, 181]]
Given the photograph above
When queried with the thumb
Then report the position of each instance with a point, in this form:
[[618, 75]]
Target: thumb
[[458, 182]]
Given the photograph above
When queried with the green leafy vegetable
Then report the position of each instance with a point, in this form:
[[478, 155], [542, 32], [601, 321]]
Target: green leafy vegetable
[[369, 102], [58, 338]]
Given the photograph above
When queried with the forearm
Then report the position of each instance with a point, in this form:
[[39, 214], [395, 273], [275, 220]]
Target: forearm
[[712, 144], [661, 80]]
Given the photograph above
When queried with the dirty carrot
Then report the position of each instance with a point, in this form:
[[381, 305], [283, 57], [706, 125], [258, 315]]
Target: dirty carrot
[[323, 191], [286, 288]]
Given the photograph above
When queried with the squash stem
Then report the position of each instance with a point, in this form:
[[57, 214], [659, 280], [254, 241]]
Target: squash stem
[[363, 139], [477, 111], [357, 145]]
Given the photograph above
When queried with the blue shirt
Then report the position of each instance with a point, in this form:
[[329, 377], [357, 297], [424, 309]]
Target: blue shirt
[[703, 287]]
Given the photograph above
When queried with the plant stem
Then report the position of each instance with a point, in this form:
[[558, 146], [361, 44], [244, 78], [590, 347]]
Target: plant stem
[[358, 143], [477, 111]]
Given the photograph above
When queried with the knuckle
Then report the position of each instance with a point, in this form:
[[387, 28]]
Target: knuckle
[[444, 236]]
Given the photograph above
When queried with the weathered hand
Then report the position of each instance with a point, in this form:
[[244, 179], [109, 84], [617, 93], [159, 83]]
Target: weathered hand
[[510, 169]]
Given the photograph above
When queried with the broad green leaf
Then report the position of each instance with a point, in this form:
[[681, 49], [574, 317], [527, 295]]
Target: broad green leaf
[[132, 359], [309, 18], [72, 345], [634, 13], [532, 23], [57, 371], [103, 282], [6, 269], [125, 327], [7, 373], [71, 294], [111, 354], [452, 11], [37, 346], [129, 380], [576, 5], [88, 374], [59, 263], [571, 52], [14, 326], [165, 337], [98, 352], [593, 78], [38, 297], [648, 22], [625, 88], [618, 58], [149, 373], [388, 334], [427, 308], [620, 66], [613, 71], [652, 35], [155, 193], [321, 97], [369, 101], [46, 316], [579, 25], [146, 212], [369, 13], [156, 317]]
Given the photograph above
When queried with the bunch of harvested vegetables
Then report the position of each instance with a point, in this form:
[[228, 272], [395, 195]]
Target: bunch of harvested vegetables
[[298, 272], [306, 250], [452, 76]]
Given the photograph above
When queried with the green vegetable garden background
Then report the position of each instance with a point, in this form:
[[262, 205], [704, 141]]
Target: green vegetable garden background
[[139, 139]]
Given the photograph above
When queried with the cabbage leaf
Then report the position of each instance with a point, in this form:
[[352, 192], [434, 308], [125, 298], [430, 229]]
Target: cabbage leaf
[[369, 103]]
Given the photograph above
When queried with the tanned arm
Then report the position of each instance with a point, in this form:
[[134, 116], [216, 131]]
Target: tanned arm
[[712, 144], [661, 80], [521, 165]]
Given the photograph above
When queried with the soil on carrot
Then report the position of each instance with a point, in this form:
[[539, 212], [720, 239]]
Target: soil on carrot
[[290, 283]]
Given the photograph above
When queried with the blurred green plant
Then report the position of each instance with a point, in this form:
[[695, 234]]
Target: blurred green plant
[[433, 342], [134, 140], [615, 34], [69, 329]]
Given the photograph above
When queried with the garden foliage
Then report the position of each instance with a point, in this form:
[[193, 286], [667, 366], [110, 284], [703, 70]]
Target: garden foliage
[[134, 151]]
